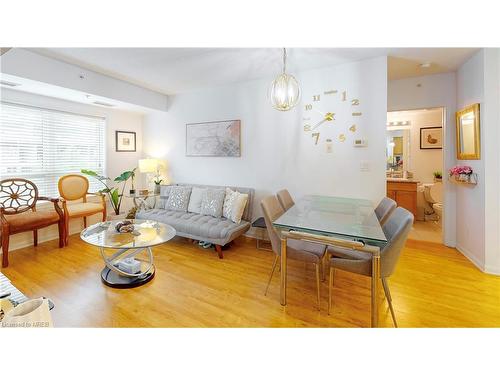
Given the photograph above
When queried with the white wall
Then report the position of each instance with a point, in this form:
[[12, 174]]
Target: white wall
[[423, 163], [116, 162], [437, 90], [276, 152], [470, 201]]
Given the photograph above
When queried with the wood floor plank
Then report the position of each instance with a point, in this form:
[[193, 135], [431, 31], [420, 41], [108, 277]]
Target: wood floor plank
[[433, 286]]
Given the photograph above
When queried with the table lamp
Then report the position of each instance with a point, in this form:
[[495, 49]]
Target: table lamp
[[153, 166]]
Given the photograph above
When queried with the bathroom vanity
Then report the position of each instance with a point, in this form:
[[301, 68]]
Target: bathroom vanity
[[404, 192]]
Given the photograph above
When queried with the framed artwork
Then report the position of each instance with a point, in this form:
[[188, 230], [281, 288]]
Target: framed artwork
[[216, 138], [431, 138], [125, 141]]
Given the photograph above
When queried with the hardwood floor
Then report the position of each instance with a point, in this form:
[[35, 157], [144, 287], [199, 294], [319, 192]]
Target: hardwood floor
[[433, 286]]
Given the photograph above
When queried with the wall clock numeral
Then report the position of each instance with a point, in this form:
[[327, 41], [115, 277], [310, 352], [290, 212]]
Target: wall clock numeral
[[316, 98], [308, 107], [342, 138], [344, 96], [355, 102], [353, 128], [307, 128], [330, 92], [329, 146], [317, 137], [356, 113]]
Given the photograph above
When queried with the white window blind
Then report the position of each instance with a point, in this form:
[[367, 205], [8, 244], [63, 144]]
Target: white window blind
[[42, 145]]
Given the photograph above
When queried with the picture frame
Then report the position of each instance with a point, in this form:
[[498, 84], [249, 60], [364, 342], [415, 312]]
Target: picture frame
[[469, 133], [214, 138], [125, 141], [431, 138]]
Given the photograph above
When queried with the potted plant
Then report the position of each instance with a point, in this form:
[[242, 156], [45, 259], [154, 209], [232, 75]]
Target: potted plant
[[157, 182], [132, 177], [438, 176], [113, 192], [461, 173]]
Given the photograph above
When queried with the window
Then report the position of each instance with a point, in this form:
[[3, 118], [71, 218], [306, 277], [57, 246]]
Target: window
[[42, 145]]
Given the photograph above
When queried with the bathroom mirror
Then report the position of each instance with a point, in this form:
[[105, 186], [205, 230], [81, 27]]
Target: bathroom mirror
[[398, 150], [468, 136]]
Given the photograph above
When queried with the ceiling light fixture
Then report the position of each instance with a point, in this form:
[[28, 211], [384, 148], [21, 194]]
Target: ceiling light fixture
[[425, 65], [103, 104], [10, 84], [284, 92]]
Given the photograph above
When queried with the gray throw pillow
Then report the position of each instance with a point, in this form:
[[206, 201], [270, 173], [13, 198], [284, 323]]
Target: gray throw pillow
[[164, 193], [212, 202], [178, 198]]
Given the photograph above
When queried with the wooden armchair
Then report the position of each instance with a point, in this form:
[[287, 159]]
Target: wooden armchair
[[18, 199], [73, 187]]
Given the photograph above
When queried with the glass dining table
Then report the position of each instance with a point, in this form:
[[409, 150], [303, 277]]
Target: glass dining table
[[337, 221]]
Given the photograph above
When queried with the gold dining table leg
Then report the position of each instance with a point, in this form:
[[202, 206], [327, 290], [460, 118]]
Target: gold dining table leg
[[375, 278], [283, 272]]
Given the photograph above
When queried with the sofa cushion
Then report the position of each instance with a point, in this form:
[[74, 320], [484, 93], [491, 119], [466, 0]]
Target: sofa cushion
[[195, 200], [164, 194], [212, 202], [234, 205], [178, 198], [196, 225]]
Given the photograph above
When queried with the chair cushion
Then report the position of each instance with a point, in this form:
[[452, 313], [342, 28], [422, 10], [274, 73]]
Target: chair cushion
[[351, 260], [29, 220], [196, 225], [305, 251], [78, 209]]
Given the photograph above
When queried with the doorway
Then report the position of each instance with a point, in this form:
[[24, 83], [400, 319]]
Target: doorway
[[414, 168]]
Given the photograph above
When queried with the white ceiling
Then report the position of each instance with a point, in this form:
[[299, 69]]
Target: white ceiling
[[174, 70]]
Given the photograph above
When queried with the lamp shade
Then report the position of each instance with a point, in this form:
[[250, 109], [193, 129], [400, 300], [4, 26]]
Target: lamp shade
[[148, 165]]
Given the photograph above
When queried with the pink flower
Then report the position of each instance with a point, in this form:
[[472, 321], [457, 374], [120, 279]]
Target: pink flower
[[460, 169]]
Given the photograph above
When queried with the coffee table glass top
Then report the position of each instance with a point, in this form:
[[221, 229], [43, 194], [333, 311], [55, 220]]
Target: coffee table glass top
[[146, 233], [333, 216]]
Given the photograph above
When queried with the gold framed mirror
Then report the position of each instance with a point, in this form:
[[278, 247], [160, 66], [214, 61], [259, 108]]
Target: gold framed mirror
[[468, 133]]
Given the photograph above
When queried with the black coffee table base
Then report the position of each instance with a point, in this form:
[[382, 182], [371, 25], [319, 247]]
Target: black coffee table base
[[114, 280]]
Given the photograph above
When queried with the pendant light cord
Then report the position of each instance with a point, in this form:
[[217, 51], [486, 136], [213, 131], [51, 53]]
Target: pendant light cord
[[284, 60]]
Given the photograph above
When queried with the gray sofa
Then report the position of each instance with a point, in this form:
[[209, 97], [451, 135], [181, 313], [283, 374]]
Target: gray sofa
[[219, 231]]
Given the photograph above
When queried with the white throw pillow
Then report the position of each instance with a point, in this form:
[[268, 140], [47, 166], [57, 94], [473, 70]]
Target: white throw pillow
[[195, 200], [234, 205]]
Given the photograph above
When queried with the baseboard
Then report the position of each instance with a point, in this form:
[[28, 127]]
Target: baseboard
[[472, 258]]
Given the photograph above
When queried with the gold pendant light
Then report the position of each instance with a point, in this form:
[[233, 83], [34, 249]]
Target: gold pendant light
[[284, 92]]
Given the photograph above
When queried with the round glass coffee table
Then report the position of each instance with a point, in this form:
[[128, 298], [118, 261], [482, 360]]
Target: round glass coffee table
[[128, 256]]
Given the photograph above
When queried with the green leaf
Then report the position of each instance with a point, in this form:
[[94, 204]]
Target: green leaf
[[124, 176], [89, 172], [115, 197], [107, 190]]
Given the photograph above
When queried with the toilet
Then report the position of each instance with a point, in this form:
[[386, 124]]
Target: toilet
[[433, 194]]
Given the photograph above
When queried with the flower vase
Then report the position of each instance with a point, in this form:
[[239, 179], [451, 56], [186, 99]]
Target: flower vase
[[157, 188]]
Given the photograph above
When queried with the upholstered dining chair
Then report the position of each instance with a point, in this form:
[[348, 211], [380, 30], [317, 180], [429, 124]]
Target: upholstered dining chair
[[396, 229], [298, 250], [384, 209], [74, 187], [18, 213], [285, 199]]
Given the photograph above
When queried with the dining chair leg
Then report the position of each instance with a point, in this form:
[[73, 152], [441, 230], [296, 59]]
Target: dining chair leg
[[330, 287], [85, 222], [35, 237], [318, 266], [389, 300], [271, 274]]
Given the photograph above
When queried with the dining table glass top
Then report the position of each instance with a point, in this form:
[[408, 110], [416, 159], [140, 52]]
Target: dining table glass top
[[146, 233], [349, 218]]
